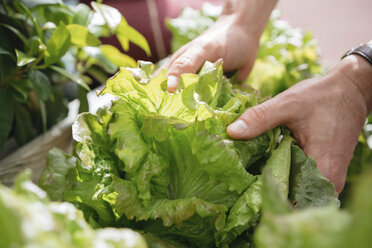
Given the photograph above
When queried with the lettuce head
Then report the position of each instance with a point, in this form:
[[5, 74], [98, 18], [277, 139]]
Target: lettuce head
[[163, 164]]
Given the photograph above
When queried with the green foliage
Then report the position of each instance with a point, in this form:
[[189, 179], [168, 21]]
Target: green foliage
[[163, 164], [306, 182], [191, 23], [6, 115], [57, 45], [285, 57], [45, 43], [41, 84], [29, 219], [316, 227], [116, 57], [81, 36]]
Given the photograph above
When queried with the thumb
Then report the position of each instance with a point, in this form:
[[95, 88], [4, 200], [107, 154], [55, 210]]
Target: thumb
[[259, 119], [246, 69]]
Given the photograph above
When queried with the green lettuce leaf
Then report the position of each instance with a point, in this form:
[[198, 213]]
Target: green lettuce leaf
[[53, 179], [29, 219], [85, 181], [246, 211], [308, 188], [281, 226], [358, 233], [163, 163]]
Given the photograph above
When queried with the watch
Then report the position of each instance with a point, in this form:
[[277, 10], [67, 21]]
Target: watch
[[363, 50]]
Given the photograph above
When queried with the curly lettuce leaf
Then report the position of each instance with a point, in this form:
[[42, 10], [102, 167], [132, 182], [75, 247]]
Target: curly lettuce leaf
[[246, 211], [196, 171], [85, 181], [283, 226], [53, 179], [29, 219], [308, 187], [163, 163]]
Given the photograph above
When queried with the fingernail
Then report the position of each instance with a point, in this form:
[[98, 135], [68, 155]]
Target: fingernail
[[172, 82], [238, 128]]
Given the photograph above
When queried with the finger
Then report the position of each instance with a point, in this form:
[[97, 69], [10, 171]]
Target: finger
[[260, 118], [174, 56], [245, 70], [188, 62]]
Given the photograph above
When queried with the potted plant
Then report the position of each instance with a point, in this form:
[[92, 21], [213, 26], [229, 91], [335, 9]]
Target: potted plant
[[43, 46]]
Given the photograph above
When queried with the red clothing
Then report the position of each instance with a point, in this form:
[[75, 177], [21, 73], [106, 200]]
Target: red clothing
[[136, 12]]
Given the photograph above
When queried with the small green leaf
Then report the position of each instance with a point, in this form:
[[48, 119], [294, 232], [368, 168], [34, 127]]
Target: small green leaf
[[123, 39], [82, 96], [41, 84], [126, 32], [57, 45], [6, 115], [23, 128], [111, 16], [36, 46], [31, 16], [71, 76], [17, 33], [58, 14], [116, 57], [23, 59], [81, 36], [82, 13], [5, 52], [96, 57], [21, 90]]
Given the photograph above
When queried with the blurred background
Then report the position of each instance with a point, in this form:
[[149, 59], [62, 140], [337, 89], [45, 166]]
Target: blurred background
[[338, 25]]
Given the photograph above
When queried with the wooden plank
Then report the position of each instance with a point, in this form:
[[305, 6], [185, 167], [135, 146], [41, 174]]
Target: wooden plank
[[33, 154]]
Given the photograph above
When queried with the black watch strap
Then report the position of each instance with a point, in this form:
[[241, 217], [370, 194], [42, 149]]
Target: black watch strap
[[364, 50]]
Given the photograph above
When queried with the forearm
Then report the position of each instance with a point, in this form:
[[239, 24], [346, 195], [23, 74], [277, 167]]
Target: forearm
[[252, 15]]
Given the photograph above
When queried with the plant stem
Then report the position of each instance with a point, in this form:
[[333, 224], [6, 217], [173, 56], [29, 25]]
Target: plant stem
[[11, 76], [33, 19]]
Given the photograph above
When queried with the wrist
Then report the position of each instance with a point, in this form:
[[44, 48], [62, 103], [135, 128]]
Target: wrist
[[358, 73]]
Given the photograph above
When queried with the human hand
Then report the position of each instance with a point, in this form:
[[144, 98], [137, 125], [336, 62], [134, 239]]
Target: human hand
[[234, 38], [223, 40], [326, 116]]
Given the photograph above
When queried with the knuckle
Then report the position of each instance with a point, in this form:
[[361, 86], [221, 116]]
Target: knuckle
[[213, 48], [295, 105], [259, 114], [184, 62], [210, 46]]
